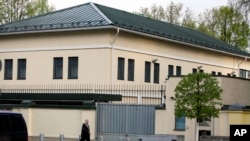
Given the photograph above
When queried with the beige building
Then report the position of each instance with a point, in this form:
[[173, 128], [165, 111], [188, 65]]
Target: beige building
[[92, 49]]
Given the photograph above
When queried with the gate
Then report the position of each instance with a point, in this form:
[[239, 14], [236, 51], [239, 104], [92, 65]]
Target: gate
[[124, 120]]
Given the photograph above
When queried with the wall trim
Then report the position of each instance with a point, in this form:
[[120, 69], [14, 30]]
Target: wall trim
[[174, 57], [108, 46], [55, 48]]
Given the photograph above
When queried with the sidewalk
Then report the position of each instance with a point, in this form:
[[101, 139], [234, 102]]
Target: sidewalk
[[50, 139]]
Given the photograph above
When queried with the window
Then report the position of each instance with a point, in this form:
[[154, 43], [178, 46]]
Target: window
[[194, 70], [243, 73], [131, 65], [178, 70], [213, 73], [156, 72], [219, 74], [170, 70], [21, 69], [121, 63], [201, 70], [73, 68], [147, 71], [58, 68], [8, 69], [180, 123]]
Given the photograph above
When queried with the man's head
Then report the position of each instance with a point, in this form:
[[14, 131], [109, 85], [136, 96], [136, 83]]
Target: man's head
[[86, 121]]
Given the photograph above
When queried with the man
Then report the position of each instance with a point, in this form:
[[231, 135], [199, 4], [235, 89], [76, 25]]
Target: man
[[85, 135]]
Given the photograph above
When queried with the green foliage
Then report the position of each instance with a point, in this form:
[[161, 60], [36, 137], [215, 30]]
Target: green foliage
[[226, 24], [14, 10], [155, 12], [38, 7], [197, 96], [188, 19], [241, 6], [171, 14]]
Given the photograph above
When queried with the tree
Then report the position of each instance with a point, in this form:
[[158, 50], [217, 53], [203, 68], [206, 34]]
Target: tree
[[38, 7], [14, 10], [188, 19], [226, 24], [206, 23], [173, 12], [155, 12], [242, 6], [197, 96]]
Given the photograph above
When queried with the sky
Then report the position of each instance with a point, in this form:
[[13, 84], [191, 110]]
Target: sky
[[197, 6]]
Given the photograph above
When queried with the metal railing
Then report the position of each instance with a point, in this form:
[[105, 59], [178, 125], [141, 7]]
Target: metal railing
[[214, 138], [131, 94]]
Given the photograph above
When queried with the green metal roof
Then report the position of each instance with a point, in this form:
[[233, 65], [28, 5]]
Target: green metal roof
[[95, 15]]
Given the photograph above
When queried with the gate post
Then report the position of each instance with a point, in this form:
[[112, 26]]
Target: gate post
[[41, 137], [79, 137], [61, 137], [101, 138]]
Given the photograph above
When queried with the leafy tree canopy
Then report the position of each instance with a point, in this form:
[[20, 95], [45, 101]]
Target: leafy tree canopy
[[14, 10], [228, 23], [197, 95]]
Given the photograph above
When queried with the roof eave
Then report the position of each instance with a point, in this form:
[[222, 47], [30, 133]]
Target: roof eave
[[56, 30], [183, 43]]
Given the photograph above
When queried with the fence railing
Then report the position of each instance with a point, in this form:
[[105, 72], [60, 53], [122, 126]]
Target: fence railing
[[131, 94], [214, 138]]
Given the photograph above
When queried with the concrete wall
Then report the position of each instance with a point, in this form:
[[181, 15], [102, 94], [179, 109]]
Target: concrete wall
[[53, 122], [234, 91], [98, 55], [97, 52]]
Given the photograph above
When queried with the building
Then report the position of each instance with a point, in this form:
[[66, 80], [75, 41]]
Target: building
[[93, 52]]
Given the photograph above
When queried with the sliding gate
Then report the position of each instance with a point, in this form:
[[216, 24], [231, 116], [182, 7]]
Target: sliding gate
[[115, 121]]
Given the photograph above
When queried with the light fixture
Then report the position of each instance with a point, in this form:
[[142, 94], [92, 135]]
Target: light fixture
[[233, 72], [154, 60], [172, 98], [199, 67]]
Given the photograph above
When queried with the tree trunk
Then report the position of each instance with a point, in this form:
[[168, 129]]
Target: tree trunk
[[197, 131]]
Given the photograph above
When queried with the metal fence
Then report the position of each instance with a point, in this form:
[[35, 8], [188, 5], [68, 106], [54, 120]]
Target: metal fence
[[214, 138], [126, 119], [131, 94]]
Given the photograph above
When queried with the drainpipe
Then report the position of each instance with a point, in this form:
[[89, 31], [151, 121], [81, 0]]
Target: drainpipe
[[241, 63], [112, 57]]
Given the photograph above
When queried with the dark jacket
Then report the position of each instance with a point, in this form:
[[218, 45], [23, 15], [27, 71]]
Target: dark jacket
[[85, 131]]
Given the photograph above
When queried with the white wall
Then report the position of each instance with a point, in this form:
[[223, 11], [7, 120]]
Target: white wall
[[53, 122]]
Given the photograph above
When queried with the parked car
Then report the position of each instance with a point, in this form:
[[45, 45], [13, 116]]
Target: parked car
[[12, 127]]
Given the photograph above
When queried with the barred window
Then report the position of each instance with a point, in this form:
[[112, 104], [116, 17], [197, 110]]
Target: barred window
[[21, 69], [131, 65], [8, 69], [147, 71], [73, 68], [121, 63], [58, 68]]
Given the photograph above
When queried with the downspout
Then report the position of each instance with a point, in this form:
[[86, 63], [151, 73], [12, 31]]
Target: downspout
[[241, 63], [112, 57]]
